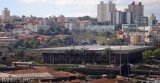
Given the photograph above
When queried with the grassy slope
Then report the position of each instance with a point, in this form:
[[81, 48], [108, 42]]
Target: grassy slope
[[84, 36]]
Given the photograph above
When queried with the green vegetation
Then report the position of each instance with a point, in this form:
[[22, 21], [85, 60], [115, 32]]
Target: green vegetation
[[28, 43], [84, 35], [35, 43], [106, 51], [102, 38], [156, 52], [54, 31], [148, 54], [9, 26]]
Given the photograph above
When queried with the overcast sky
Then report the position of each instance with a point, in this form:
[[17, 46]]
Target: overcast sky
[[72, 8]]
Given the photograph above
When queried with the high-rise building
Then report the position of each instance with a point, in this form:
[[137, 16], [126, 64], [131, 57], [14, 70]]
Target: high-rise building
[[152, 21], [136, 9], [6, 14], [119, 18], [101, 12], [112, 18], [111, 7], [141, 21], [116, 18], [104, 11], [138, 13], [128, 17]]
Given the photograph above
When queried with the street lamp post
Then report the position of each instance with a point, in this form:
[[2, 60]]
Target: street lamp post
[[109, 58], [120, 60], [158, 40], [128, 66]]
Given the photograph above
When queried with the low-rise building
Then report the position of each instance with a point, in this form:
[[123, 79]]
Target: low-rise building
[[149, 37], [7, 41], [84, 24], [90, 54], [137, 38], [39, 75], [129, 27], [101, 28], [73, 26], [21, 31], [36, 27]]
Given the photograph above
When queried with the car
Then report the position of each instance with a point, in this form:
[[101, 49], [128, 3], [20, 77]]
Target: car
[[81, 66]]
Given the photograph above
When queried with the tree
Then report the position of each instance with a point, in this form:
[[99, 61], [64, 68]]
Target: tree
[[103, 43], [106, 51], [156, 52], [40, 31], [147, 55], [84, 18], [35, 44], [26, 44], [108, 34], [9, 26]]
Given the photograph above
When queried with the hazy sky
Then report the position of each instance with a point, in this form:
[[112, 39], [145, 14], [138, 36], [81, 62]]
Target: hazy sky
[[71, 8]]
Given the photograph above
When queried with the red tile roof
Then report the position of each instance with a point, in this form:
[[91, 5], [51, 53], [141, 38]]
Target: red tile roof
[[54, 73], [33, 70]]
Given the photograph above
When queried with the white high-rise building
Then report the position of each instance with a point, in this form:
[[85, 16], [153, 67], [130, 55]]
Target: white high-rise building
[[6, 14], [104, 11], [129, 17], [101, 12], [119, 17], [111, 7]]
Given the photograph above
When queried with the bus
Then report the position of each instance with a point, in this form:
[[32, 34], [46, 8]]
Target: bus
[[22, 64]]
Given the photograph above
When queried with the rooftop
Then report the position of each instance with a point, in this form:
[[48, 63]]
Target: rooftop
[[41, 72], [35, 75], [99, 48]]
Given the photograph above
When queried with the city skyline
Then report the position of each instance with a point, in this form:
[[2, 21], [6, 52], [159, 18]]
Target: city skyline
[[69, 8]]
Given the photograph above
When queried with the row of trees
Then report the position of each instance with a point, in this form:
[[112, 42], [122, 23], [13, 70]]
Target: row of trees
[[148, 54], [35, 43], [28, 43], [54, 31]]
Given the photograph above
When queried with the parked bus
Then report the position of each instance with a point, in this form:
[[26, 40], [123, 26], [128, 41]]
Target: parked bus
[[22, 64]]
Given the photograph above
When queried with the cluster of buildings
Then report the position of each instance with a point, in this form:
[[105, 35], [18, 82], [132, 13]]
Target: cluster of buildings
[[5, 44], [136, 29], [107, 15], [25, 27], [133, 27], [39, 75], [139, 38], [134, 14], [47, 75], [29, 24], [109, 18], [129, 25]]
